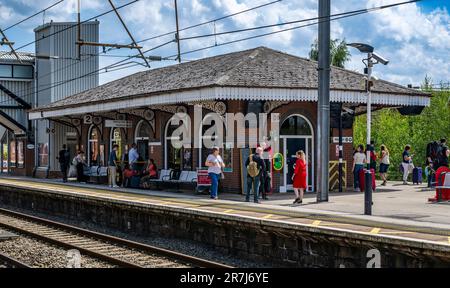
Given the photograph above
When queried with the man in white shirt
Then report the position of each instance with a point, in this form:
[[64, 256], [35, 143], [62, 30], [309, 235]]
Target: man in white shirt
[[133, 156]]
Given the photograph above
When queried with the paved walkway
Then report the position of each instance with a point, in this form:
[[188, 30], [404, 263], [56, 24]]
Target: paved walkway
[[394, 203]]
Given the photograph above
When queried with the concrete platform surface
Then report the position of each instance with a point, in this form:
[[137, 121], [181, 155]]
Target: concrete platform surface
[[396, 204]]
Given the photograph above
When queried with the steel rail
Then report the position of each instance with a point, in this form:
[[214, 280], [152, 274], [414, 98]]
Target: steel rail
[[188, 259], [8, 260]]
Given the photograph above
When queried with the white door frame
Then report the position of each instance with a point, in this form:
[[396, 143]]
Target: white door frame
[[286, 187], [306, 137]]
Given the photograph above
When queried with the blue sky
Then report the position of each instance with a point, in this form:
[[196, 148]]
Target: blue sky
[[414, 37]]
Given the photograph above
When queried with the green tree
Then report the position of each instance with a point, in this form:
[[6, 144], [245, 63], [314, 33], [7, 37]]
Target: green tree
[[339, 53], [394, 130]]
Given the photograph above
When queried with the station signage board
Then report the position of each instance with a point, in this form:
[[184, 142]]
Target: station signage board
[[119, 123], [344, 140], [278, 161], [203, 177]]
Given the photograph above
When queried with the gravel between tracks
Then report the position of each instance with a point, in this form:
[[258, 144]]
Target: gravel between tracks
[[43, 255], [180, 245]]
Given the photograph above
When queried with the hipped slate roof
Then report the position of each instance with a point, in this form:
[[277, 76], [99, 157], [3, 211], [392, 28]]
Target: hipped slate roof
[[255, 68]]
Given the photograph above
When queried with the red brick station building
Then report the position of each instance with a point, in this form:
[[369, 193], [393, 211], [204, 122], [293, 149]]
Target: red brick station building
[[255, 80]]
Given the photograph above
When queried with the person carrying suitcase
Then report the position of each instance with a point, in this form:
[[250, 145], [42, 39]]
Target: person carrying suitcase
[[407, 163], [359, 158]]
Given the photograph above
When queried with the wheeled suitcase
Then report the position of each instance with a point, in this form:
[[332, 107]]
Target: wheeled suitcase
[[362, 179], [417, 175], [135, 181]]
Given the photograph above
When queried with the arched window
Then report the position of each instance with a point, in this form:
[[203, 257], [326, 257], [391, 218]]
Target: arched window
[[173, 156], [143, 135], [296, 125], [117, 138], [93, 146], [219, 140]]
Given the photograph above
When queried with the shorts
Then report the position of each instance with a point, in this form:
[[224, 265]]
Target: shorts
[[384, 168]]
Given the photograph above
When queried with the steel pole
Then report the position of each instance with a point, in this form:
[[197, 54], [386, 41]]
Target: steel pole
[[323, 105], [340, 148], [368, 175]]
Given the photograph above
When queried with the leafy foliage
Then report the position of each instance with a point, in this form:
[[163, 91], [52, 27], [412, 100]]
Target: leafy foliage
[[389, 127], [339, 53]]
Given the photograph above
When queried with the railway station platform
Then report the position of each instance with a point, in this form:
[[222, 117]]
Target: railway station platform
[[403, 224]]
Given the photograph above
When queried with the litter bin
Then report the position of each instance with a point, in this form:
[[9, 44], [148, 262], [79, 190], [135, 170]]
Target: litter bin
[[362, 179]]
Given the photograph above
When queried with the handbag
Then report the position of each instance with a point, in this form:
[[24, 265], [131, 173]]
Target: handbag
[[411, 167], [72, 171]]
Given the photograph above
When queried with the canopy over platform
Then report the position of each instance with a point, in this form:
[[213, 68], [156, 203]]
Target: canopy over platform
[[255, 74]]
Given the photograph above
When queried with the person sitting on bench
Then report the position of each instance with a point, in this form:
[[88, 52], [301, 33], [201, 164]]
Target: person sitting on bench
[[151, 172]]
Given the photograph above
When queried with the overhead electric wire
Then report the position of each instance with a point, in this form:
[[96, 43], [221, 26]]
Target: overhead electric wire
[[75, 25], [344, 15], [341, 16], [158, 36], [35, 14], [209, 21], [366, 10]]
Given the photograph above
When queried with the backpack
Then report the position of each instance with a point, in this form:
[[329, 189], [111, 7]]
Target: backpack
[[433, 150], [252, 167]]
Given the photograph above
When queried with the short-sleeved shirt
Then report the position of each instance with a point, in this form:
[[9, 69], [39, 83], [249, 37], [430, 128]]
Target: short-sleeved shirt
[[359, 158], [405, 155], [112, 158], [133, 155], [215, 160]]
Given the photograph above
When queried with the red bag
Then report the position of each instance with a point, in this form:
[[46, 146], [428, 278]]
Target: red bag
[[362, 179]]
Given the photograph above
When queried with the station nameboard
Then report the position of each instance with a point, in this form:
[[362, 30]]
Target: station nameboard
[[344, 139], [119, 123]]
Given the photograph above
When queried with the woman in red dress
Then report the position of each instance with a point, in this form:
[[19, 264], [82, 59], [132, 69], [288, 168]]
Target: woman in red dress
[[299, 177]]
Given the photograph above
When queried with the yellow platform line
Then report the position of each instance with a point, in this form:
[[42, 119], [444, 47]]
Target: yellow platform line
[[335, 224], [267, 216], [397, 232], [375, 231], [448, 240], [228, 211], [316, 223]]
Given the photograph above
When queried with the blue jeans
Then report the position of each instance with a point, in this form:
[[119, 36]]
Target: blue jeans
[[252, 182], [358, 167], [214, 184]]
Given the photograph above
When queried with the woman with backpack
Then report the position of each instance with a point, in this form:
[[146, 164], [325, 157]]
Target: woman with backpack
[[384, 163], [299, 177]]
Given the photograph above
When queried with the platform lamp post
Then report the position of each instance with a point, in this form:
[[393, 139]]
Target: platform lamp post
[[369, 62]]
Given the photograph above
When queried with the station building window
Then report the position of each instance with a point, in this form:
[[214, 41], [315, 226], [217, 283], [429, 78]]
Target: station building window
[[144, 134], [43, 154], [93, 147], [177, 158], [225, 148], [13, 154], [117, 138], [5, 153], [20, 154]]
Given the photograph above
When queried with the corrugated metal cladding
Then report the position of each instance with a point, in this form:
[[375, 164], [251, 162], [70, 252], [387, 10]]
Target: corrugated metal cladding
[[59, 78], [23, 89], [67, 75]]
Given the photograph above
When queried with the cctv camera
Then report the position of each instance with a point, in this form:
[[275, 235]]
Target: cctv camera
[[348, 110], [380, 59]]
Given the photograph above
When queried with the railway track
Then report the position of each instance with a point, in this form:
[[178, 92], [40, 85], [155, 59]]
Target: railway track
[[9, 262], [118, 251]]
